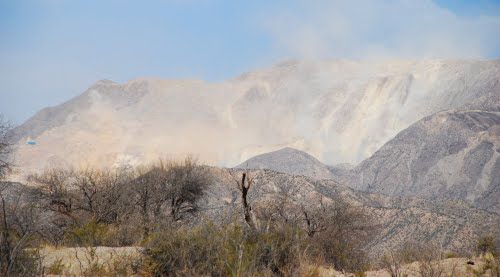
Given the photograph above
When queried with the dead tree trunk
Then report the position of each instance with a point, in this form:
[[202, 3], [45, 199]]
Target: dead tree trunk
[[245, 185]]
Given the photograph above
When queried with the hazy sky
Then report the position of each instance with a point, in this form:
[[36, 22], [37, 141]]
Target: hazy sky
[[52, 50]]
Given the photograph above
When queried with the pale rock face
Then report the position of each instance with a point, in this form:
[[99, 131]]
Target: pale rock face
[[339, 111]]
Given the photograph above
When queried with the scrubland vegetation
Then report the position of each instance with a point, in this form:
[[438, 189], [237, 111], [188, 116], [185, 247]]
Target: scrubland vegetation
[[156, 209]]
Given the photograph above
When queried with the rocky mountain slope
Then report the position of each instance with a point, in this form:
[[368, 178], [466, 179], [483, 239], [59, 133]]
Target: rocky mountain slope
[[339, 111], [452, 154], [454, 225], [291, 161]]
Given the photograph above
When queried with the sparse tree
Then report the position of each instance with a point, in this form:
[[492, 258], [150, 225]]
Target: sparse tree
[[341, 231], [100, 194], [56, 194], [168, 191], [393, 263], [79, 198], [21, 221], [316, 218], [337, 231], [5, 147], [427, 255], [283, 208], [184, 183], [142, 194], [13, 231]]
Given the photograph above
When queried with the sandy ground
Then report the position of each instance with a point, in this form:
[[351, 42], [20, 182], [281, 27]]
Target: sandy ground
[[76, 261], [448, 267]]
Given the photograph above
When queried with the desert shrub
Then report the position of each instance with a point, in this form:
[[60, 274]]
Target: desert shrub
[[429, 264], [26, 263], [227, 250], [174, 251], [89, 234], [487, 244], [337, 232], [93, 261], [426, 254], [449, 255], [488, 248], [123, 234], [392, 263], [124, 265], [56, 268], [340, 254], [491, 266]]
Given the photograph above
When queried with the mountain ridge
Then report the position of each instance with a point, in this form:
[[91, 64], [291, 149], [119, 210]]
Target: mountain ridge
[[451, 154], [289, 160], [305, 105]]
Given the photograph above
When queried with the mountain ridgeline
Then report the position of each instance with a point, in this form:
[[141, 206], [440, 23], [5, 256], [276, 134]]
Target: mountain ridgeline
[[453, 155], [338, 111]]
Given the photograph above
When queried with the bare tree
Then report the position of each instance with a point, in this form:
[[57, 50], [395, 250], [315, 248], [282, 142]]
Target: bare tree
[[77, 198], [20, 221], [340, 230], [316, 218], [100, 194], [168, 191], [112, 205], [244, 186], [283, 207], [393, 263], [428, 256], [184, 183], [56, 194], [142, 194]]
